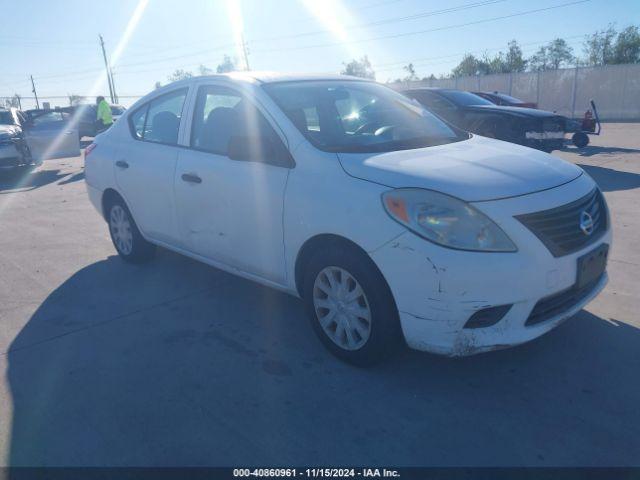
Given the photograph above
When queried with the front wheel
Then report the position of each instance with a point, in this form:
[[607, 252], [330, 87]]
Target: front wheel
[[126, 237], [350, 305]]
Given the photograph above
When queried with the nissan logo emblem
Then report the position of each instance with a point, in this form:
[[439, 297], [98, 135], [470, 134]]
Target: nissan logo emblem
[[586, 223]]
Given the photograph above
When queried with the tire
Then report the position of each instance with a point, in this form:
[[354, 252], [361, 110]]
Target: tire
[[359, 329], [580, 139], [126, 237]]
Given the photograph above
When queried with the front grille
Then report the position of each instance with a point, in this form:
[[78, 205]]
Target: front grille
[[559, 303], [559, 228]]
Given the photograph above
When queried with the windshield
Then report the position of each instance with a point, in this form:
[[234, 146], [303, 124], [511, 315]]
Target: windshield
[[353, 116], [6, 118], [464, 99]]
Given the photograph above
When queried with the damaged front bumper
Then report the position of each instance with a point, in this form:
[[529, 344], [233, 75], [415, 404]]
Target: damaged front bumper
[[437, 290]]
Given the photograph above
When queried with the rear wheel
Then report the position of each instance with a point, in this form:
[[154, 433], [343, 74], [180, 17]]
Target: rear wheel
[[580, 139], [126, 237], [350, 305]]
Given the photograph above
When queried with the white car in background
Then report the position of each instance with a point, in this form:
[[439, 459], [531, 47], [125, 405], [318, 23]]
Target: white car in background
[[387, 222]]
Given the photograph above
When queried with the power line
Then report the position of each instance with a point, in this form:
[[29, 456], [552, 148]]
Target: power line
[[419, 32], [413, 60], [387, 21]]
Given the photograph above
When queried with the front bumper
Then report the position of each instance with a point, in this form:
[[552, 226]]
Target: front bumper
[[438, 289]]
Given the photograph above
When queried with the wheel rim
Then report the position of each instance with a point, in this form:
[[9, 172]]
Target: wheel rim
[[120, 227], [342, 308]]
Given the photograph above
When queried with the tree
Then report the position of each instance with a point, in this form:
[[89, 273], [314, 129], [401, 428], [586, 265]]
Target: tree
[[599, 48], [359, 68], [514, 61], [627, 47], [179, 75], [411, 71], [552, 56], [204, 70], [75, 99], [158, 85], [559, 53], [539, 61], [469, 65], [228, 65]]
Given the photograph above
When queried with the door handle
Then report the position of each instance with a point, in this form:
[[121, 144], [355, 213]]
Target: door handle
[[122, 164], [191, 178]]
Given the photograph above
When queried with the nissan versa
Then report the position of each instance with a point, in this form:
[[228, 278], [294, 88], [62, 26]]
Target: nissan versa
[[387, 222]]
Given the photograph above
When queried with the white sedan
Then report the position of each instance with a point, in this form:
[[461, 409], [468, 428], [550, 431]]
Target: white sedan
[[387, 222]]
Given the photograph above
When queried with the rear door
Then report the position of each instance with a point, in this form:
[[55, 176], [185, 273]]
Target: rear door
[[146, 165], [51, 135]]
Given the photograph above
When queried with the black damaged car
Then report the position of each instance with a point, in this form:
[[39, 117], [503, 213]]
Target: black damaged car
[[526, 126]]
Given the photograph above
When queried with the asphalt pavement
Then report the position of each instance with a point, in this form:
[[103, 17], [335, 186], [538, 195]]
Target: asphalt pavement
[[176, 363]]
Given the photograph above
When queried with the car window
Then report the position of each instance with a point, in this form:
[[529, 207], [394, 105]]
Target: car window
[[432, 100], [355, 116], [464, 99], [136, 120], [159, 120], [221, 113], [117, 110], [6, 118], [50, 117], [508, 98]]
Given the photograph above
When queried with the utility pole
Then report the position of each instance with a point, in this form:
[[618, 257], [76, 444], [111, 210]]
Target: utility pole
[[106, 66], [245, 52], [113, 85], [33, 89]]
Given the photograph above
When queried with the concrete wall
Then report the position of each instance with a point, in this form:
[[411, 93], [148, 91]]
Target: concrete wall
[[614, 88]]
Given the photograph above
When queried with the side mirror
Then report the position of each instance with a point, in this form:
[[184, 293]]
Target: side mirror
[[258, 149]]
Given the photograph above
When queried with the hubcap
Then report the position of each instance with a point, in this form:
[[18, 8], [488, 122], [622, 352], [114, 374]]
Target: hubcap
[[342, 308], [120, 227]]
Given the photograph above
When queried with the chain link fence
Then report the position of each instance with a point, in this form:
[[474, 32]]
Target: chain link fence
[[29, 102], [614, 88]]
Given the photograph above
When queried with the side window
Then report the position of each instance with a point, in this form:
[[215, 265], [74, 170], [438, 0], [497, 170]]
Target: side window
[[222, 113], [159, 120], [163, 118], [136, 121]]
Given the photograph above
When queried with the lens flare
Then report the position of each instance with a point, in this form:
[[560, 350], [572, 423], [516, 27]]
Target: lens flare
[[234, 11], [333, 15]]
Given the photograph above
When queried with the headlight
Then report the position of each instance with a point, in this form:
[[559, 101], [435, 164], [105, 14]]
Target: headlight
[[445, 220]]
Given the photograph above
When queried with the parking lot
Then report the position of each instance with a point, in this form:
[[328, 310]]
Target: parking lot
[[176, 363]]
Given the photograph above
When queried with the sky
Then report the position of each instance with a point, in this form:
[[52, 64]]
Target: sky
[[146, 40]]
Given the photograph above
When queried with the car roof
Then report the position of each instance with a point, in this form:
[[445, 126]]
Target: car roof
[[261, 77]]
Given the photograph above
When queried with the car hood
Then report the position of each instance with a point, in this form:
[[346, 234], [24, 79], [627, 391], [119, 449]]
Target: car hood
[[477, 169], [520, 111]]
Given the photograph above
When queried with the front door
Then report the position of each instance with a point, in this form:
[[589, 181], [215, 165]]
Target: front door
[[51, 135], [231, 210], [146, 165]]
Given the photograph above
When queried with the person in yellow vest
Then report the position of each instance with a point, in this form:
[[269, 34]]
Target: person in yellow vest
[[104, 119]]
